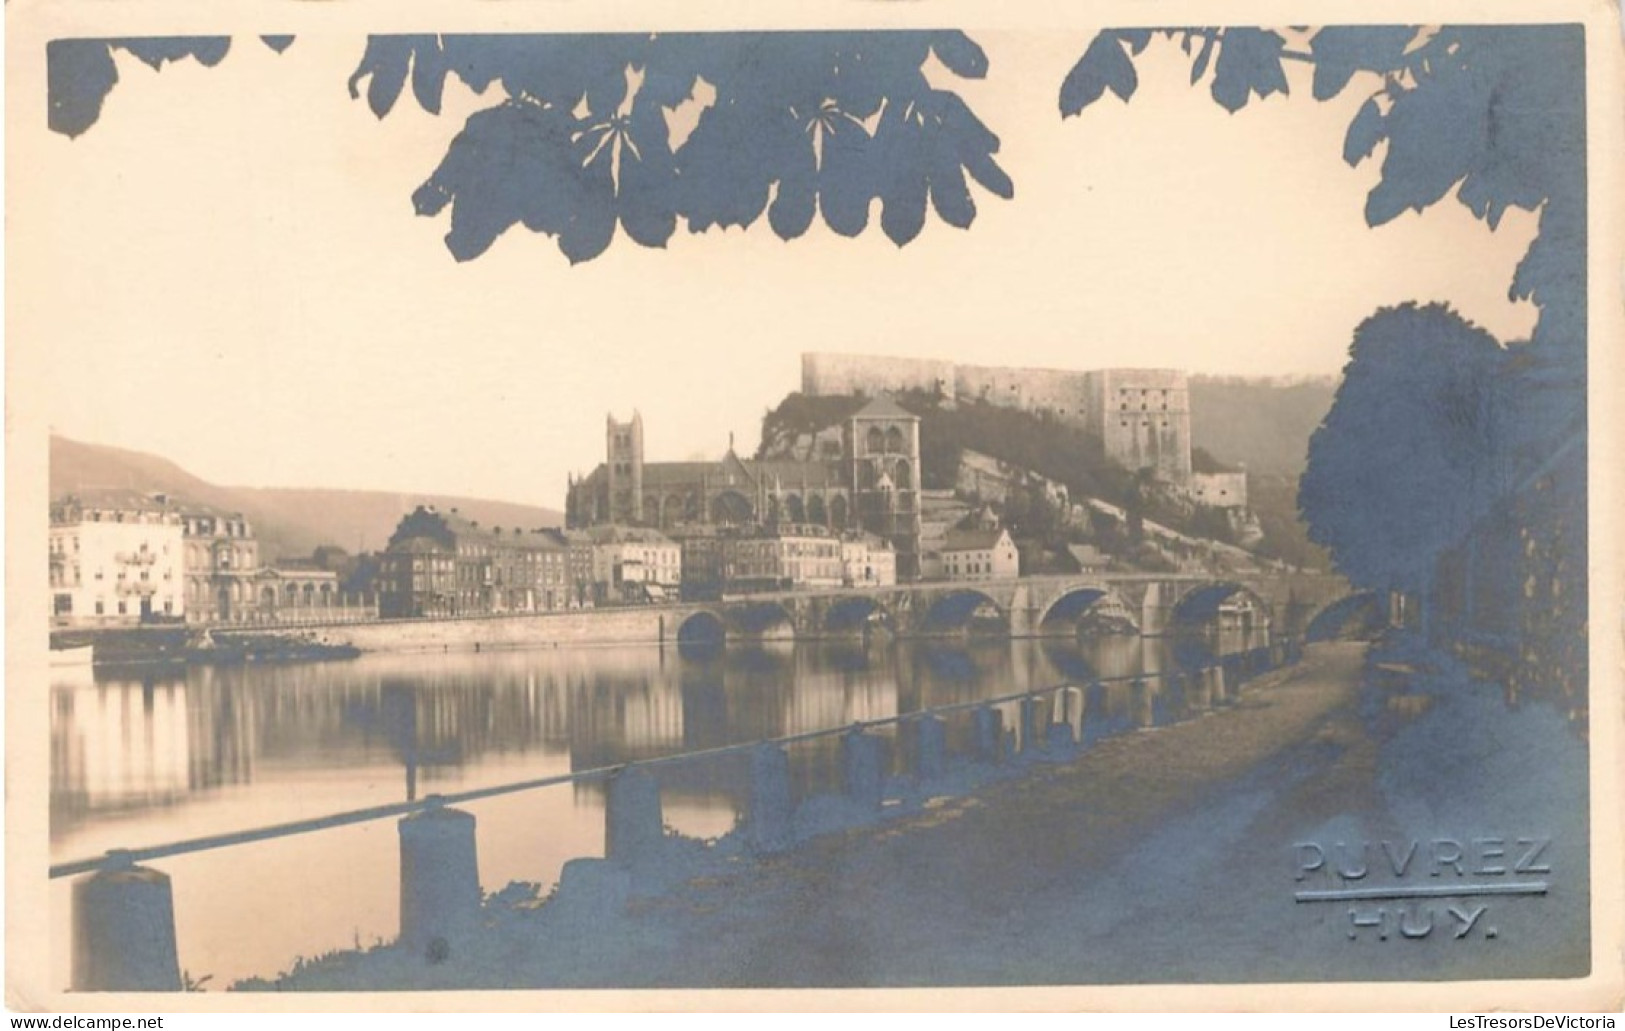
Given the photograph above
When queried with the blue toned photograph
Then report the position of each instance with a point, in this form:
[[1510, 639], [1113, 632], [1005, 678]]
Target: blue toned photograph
[[807, 509]]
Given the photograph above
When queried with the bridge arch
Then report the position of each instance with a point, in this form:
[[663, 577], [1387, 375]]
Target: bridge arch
[[758, 619], [1205, 603], [852, 614], [702, 628], [1359, 614], [1081, 601], [960, 610]]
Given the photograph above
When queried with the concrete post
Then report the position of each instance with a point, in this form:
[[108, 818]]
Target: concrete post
[[861, 760], [770, 808], [931, 747], [440, 880], [1200, 690], [634, 827], [1143, 714], [124, 930], [1058, 737], [1220, 686], [1032, 724], [988, 731]]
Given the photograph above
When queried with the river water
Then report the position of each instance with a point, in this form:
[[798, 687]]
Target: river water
[[145, 757]]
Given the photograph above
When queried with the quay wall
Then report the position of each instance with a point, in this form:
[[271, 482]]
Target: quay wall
[[648, 625]]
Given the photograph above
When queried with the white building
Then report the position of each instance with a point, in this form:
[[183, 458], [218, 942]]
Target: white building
[[792, 556], [980, 555], [632, 563], [1220, 490], [116, 561], [868, 561]]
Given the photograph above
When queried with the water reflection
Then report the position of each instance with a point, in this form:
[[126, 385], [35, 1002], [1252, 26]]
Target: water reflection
[[146, 742], [142, 759]]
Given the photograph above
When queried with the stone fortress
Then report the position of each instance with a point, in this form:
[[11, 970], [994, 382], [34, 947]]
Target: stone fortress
[[1141, 416]]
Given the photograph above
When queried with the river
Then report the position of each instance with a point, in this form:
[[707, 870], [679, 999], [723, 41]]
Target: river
[[140, 758]]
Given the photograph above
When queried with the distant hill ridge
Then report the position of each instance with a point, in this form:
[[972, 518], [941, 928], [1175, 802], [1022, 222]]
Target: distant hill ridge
[[1264, 422], [289, 522]]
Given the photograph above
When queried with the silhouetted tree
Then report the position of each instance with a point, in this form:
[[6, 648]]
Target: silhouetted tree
[[1405, 462]]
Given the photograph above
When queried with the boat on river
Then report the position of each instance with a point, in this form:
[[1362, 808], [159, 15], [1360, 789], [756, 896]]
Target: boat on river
[[73, 657]]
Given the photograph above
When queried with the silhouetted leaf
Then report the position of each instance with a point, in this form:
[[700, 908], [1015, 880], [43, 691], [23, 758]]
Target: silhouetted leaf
[[960, 54], [384, 64], [156, 52], [1103, 66], [1199, 66], [79, 75], [428, 73], [1365, 132], [1341, 51], [1249, 61]]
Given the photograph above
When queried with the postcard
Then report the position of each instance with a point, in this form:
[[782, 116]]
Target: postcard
[[865, 506]]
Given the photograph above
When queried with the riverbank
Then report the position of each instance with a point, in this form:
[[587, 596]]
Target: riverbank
[[181, 646], [1159, 856]]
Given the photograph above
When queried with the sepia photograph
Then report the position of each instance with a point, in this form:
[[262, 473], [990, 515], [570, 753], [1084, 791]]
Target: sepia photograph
[[1094, 504]]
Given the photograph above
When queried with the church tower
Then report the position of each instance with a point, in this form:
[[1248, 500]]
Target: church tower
[[883, 449], [623, 446]]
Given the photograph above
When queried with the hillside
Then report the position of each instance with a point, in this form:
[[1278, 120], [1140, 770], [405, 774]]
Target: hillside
[[1263, 423], [289, 522]]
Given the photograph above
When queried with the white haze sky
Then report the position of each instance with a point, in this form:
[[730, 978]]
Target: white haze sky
[[226, 270]]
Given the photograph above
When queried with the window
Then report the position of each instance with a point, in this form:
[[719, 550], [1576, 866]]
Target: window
[[99, 609], [121, 609]]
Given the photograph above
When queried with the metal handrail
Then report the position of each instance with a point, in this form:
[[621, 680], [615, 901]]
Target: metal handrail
[[118, 858]]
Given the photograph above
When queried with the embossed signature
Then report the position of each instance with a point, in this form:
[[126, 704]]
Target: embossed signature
[[1479, 865]]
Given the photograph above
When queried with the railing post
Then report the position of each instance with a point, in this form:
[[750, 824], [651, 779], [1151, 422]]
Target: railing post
[[861, 755], [931, 747], [769, 813], [634, 826], [1199, 689], [1220, 687], [440, 880], [124, 930], [988, 731], [1031, 721], [1058, 735], [1143, 713]]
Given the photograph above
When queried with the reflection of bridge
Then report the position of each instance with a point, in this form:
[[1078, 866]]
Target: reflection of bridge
[[1154, 604]]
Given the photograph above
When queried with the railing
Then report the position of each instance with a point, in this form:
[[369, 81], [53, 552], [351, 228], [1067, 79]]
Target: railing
[[125, 914]]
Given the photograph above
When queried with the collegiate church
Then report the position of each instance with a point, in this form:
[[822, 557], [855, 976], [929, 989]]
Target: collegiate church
[[864, 476]]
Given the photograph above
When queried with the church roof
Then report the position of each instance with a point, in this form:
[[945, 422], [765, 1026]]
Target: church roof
[[883, 407]]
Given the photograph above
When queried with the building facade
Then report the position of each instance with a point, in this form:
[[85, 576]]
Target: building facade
[[787, 558], [869, 482], [117, 560], [222, 565], [1220, 490], [867, 561], [980, 555], [441, 564], [632, 564]]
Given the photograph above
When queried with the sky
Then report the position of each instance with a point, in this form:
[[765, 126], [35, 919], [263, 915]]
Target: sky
[[226, 270]]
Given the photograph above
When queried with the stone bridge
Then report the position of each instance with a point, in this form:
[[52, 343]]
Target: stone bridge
[[1154, 604]]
